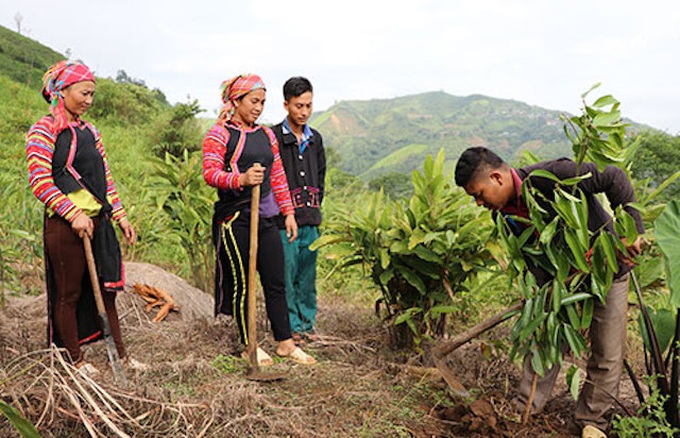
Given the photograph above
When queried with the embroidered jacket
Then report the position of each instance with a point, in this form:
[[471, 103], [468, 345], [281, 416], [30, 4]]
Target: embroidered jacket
[[40, 148], [305, 166], [228, 151]]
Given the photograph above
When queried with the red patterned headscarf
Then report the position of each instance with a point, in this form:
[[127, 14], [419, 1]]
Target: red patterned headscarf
[[235, 88], [56, 78]]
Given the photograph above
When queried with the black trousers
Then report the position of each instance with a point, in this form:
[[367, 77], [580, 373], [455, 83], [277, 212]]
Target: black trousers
[[232, 245]]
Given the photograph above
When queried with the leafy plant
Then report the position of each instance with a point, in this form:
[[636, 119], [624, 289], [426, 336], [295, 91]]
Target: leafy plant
[[22, 425], [651, 423], [660, 326], [580, 263], [182, 196], [421, 253]]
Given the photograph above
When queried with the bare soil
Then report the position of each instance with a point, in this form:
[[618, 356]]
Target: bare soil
[[195, 383]]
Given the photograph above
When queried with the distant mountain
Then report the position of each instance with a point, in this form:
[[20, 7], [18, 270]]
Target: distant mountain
[[372, 138], [377, 137]]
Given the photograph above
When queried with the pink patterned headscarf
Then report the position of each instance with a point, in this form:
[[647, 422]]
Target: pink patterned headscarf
[[235, 88], [56, 78]]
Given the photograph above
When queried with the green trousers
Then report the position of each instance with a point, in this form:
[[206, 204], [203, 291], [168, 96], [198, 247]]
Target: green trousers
[[301, 278]]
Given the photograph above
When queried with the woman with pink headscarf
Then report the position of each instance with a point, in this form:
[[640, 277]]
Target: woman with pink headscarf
[[230, 150], [69, 173]]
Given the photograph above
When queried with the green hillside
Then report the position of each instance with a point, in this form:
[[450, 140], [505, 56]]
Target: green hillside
[[137, 126], [23, 59], [379, 140], [374, 137]]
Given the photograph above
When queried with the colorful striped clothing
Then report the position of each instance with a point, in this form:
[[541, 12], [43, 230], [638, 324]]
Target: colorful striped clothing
[[227, 153], [229, 149], [40, 147]]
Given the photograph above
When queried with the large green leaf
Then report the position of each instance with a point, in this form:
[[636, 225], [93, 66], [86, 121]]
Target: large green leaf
[[667, 231], [663, 322], [25, 427]]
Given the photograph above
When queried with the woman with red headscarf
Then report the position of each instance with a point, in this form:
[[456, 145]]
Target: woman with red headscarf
[[230, 150], [69, 173]]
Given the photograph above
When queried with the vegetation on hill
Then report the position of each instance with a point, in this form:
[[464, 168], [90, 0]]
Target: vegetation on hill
[[154, 153], [380, 136], [373, 136], [22, 59]]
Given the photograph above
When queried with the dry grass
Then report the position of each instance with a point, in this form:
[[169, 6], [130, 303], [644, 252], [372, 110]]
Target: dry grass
[[195, 385]]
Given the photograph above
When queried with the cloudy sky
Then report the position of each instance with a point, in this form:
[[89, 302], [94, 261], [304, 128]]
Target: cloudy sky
[[541, 52]]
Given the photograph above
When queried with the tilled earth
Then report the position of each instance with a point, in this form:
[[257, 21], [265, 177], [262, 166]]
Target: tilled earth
[[195, 385]]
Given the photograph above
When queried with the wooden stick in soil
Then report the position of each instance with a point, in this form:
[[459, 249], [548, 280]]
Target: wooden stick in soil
[[252, 280], [254, 372], [114, 359], [447, 347]]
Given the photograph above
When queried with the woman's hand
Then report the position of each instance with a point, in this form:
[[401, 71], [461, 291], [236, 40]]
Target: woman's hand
[[253, 176], [128, 231], [82, 225], [291, 228]]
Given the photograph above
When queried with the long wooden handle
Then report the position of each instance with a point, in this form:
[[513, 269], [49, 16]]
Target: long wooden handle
[[252, 276], [94, 278], [114, 359], [447, 347]]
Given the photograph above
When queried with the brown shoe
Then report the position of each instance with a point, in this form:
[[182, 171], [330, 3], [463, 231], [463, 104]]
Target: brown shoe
[[312, 336], [297, 339]]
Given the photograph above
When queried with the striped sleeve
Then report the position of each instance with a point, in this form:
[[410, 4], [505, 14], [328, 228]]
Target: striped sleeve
[[39, 152], [112, 196], [278, 181], [214, 150]]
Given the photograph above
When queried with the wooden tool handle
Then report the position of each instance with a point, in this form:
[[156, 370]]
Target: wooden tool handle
[[252, 275], [114, 358], [94, 278]]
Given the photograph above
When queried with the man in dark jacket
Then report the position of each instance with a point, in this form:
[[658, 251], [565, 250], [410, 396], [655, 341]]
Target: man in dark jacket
[[497, 186], [304, 160]]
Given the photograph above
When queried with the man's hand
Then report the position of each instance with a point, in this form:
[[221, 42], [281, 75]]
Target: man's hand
[[291, 228], [633, 250]]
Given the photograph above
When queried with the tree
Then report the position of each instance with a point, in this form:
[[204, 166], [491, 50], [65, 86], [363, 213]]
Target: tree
[[18, 20], [181, 132], [657, 159], [123, 78]]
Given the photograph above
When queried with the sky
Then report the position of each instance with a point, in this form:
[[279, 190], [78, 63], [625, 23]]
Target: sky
[[541, 52]]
